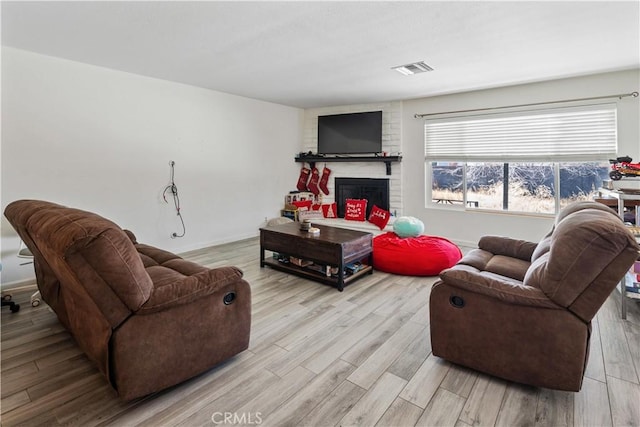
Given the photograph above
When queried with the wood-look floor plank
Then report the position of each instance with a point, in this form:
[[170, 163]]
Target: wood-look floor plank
[[443, 409], [376, 365], [421, 315], [230, 401], [460, 380], [312, 326], [19, 372], [367, 288], [618, 361], [82, 411], [400, 413], [484, 401], [62, 379], [295, 409], [375, 298], [35, 349], [30, 379], [275, 395], [591, 405], [625, 402], [332, 351], [284, 326], [410, 360], [421, 298], [555, 408], [595, 365], [53, 359], [334, 406], [372, 406], [361, 350], [426, 381], [632, 332], [34, 333], [519, 406], [14, 401], [406, 292], [310, 346], [46, 404]]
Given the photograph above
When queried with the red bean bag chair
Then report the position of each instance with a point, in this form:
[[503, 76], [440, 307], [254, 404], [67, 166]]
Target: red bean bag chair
[[413, 256]]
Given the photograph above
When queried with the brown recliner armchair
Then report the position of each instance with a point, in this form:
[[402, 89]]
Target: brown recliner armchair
[[522, 311], [148, 318]]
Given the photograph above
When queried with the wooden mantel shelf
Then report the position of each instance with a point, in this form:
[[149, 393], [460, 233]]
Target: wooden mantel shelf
[[312, 159]]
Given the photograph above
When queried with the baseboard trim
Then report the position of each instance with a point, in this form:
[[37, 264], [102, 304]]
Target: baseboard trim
[[20, 285]]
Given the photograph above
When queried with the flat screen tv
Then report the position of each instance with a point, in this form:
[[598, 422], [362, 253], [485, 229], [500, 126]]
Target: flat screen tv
[[353, 133]]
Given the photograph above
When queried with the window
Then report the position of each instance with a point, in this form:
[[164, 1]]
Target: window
[[526, 161]]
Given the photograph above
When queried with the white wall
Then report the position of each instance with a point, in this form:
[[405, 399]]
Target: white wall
[[391, 143], [467, 227], [101, 140]]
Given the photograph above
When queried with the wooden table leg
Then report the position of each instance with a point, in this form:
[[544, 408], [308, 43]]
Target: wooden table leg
[[341, 276]]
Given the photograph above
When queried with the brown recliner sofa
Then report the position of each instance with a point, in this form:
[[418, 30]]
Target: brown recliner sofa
[[522, 311], [147, 318]]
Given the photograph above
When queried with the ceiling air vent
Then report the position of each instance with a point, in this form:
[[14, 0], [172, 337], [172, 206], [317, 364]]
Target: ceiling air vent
[[415, 68]]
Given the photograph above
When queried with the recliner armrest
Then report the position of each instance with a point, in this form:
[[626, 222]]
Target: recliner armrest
[[493, 285], [190, 288], [506, 246]]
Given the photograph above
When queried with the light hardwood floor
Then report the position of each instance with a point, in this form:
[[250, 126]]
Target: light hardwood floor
[[318, 357]]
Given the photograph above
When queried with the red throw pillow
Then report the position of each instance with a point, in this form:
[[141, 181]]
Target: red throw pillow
[[355, 209], [330, 210], [379, 217], [303, 204]]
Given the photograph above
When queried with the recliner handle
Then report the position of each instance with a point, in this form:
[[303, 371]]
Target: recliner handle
[[229, 298], [456, 301]]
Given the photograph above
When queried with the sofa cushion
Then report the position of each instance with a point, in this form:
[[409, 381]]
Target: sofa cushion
[[543, 247], [509, 267], [112, 255]]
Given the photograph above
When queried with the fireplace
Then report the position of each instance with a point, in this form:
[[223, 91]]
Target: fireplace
[[375, 190]]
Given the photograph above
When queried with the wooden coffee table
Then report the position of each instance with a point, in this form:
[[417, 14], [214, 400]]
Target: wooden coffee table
[[333, 247]]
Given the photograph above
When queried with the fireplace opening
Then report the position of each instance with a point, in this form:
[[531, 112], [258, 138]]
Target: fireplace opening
[[375, 190]]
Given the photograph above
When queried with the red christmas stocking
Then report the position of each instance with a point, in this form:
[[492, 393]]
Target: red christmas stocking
[[313, 182], [302, 180], [324, 180]]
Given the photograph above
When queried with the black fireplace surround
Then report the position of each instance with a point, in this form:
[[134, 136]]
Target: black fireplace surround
[[375, 190]]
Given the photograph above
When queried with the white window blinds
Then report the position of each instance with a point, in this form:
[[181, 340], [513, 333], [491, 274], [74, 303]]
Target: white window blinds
[[584, 133]]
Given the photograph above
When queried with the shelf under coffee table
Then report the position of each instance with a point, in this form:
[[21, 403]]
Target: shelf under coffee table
[[335, 247]]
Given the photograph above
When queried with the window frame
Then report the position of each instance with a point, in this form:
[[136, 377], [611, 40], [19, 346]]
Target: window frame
[[606, 111]]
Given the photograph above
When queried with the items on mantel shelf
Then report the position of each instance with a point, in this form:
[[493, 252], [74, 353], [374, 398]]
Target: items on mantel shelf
[[313, 158]]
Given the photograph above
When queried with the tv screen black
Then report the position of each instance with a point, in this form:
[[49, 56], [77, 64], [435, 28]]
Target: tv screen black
[[353, 133]]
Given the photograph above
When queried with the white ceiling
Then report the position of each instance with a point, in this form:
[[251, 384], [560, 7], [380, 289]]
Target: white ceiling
[[311, 54]]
